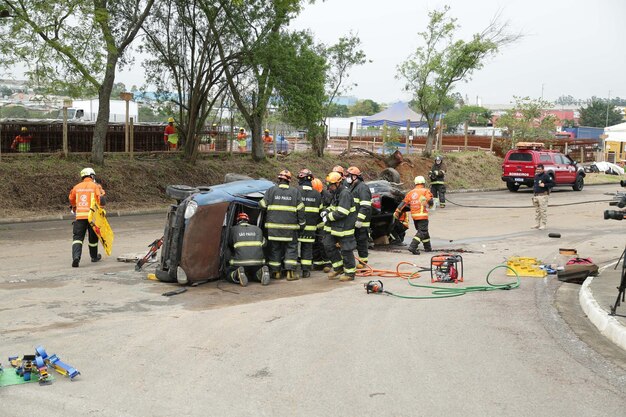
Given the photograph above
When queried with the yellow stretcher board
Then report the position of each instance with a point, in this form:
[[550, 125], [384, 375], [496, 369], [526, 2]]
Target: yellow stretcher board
[[98, 221]]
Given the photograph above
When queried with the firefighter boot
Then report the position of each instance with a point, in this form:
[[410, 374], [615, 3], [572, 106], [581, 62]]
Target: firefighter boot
[[346, 277], [292, 276], [427, 247], [306, 274], [335, 274], [97, 258], [264, 272], [327, 269], [276, 275], [413, 247], [242, 277]]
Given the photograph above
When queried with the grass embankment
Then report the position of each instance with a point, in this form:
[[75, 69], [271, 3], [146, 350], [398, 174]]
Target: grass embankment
[[39, 185]]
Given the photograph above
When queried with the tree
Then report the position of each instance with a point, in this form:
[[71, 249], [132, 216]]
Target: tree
[[250, 32], [184, 58], [338, 110], [365, 107], [595, 114], [476, 115], [527, 121], [76, 45], [300, 82], [431, 72]]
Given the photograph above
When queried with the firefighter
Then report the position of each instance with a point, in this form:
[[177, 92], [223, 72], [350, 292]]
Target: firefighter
[[363, 200], [241, 140], [170, 136], [398, 231], [320, 259], [80, 200], [246, 242], [418, 200], [437, 183], [21, 143], [284, 219], [340, 218], [312, 201], [340, 169]]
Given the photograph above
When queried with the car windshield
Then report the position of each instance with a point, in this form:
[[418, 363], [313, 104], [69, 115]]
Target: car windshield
[[522, 157]]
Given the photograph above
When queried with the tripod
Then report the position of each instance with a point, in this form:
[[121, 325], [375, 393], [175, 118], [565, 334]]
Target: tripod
[[622, 284]]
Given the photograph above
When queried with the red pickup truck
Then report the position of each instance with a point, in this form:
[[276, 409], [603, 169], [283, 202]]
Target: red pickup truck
[[519, 167]]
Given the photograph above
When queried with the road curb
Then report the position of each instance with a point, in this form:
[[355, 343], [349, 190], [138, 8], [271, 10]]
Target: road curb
[[118, 213], [609, 326]]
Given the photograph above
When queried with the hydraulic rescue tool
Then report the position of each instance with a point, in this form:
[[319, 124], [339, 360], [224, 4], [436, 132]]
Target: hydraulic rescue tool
[[446, 267], [152, 252]]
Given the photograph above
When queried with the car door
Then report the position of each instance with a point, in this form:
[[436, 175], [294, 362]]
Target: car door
[[570, 168]]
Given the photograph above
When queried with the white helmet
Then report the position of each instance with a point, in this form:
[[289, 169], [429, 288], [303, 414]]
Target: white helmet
[[420, 180], [87, 172]]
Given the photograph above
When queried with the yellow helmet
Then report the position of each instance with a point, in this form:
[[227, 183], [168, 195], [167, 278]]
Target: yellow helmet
[[170, 120], [24, 129], [334, 178], [87, 172], [284, 175], [267, 131], [420, 180]]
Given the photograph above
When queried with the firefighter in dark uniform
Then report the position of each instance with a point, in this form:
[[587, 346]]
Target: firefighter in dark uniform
[[321, 261], [246, 242], [437, 183], [363, 200], [312, 201], [340, 218], [284, 219]]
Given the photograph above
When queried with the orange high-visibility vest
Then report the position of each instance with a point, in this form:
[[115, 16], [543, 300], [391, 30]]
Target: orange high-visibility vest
[[418, 199], [80, 197]]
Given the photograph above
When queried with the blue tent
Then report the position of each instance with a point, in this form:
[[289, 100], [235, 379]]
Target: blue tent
[[396, 115]]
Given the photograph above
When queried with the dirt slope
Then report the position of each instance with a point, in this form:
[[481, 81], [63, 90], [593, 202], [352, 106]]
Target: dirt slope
[[39, 185]]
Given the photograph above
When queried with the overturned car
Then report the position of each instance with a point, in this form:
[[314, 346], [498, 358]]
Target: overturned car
[[195, 238]]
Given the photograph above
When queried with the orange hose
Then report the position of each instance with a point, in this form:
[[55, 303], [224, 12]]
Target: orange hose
[[368, 271]]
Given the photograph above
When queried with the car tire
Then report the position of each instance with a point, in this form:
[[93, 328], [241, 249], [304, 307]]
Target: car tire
[[163, 276], [390, 175], [231, 176], [180, 192], [513, 187], [579, 184]]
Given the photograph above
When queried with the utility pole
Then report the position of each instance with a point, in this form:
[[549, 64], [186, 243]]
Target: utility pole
[[542, 91], [608, 103]]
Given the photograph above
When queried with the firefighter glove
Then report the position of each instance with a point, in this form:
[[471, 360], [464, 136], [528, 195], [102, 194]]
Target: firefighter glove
[[358, 224]]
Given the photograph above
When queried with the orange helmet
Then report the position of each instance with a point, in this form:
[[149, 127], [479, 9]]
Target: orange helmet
[[242, 217], [317, 185], [284, 175], [354, 171], [305, 173], [334, 178], [339, 169]]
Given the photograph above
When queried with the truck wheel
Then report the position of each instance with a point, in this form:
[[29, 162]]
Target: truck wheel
[[390, 175], [180, 192], [579, 184], [513, 187], [164, 276], [231, 176]]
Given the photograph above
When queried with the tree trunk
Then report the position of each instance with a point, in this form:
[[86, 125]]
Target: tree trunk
[[430, 140], [104, 109], [258, 153]]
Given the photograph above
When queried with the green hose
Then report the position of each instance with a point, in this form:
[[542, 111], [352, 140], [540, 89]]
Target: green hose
[[439, 292]]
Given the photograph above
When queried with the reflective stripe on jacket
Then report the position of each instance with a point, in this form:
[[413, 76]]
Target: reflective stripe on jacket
[[80, 197], [363, 199], [418, 199], [437, 174], [312, 201], [342, 214], [247, 242], [285, 212]]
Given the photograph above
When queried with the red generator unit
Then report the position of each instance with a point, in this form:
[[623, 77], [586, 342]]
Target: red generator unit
[[446, 267]]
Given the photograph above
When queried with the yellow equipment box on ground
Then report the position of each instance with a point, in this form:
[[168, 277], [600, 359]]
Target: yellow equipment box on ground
[[525, 267]]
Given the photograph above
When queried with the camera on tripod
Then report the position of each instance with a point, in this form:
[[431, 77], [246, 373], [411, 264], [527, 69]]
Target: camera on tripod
[[617, 214]]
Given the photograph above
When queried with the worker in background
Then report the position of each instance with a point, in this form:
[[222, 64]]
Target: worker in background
[[284, 219], [246, 242], [21, 143], [267, 138], [312, 201], [170, 135], [321, 261], [213, 136], [80, 201], [241, 140], [340, 218], [363, 200], [437, 183], [543, 183], [418, 200]]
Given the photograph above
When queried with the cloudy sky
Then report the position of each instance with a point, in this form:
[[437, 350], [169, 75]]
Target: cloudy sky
[[571, 47]]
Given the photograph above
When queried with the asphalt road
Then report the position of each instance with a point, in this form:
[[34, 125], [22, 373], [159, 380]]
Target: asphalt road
[[316, 347]]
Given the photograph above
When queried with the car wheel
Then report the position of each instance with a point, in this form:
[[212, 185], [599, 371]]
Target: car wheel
[[390, 175], [513, 187], [180, 192], [163, 276], [579, 184]]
